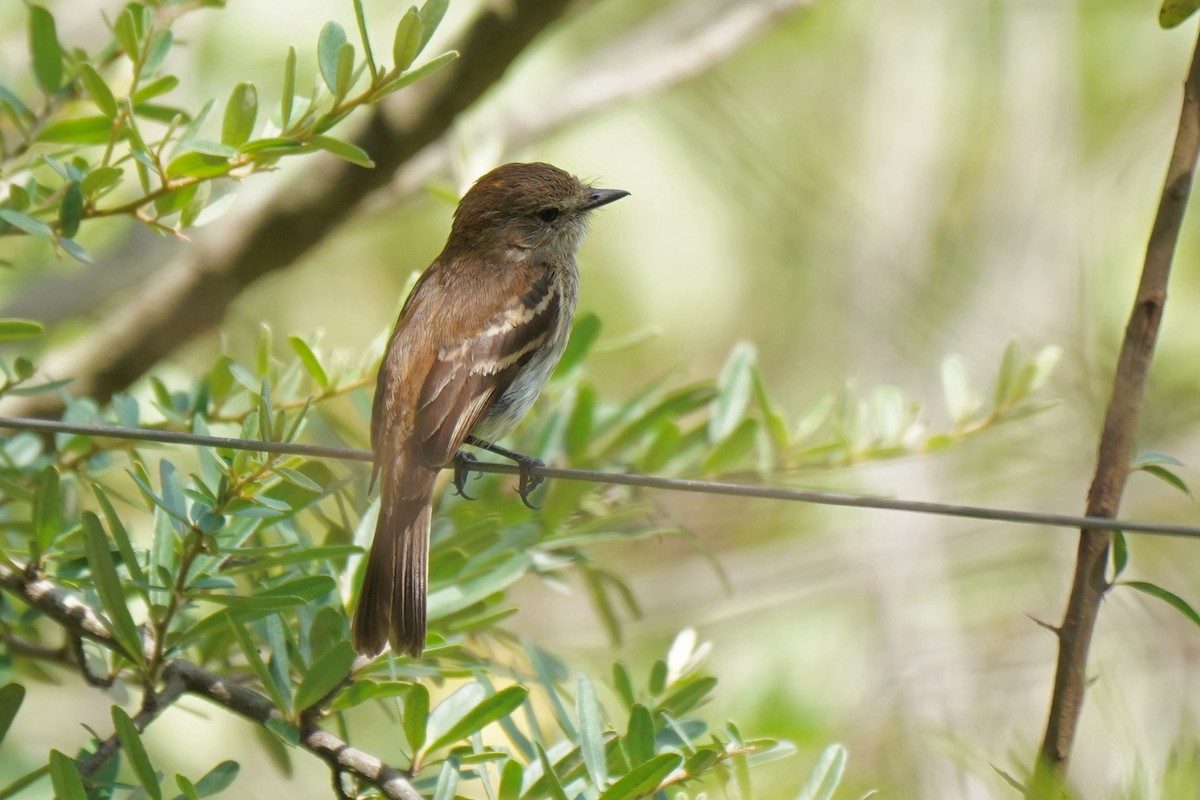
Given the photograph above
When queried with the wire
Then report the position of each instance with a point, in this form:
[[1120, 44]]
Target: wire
[[627, 479]]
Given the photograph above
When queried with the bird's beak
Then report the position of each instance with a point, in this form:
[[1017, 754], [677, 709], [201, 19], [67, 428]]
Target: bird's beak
[[602, 197]]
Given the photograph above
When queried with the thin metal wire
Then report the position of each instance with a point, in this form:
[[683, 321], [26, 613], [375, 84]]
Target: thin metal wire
[[628, 479]]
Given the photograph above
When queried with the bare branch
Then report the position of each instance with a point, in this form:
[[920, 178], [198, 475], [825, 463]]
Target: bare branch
[[1116, 445], [188, 296], [180, 677]]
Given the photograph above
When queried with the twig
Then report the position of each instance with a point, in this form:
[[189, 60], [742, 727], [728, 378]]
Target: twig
[[180, 677], [1116, 444], [189, 295], [633, 479]]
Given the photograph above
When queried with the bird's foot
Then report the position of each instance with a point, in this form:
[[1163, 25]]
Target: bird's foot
[[526, 480], [462, 473]]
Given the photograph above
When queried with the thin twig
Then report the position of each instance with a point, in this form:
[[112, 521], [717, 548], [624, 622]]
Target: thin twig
[[632, 479], [1116, 443], [180, 676]]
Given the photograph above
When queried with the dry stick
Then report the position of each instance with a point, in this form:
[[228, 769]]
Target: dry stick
[[1116, 444], [180, 677]]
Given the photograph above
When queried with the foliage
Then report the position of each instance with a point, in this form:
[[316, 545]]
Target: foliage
[[240, 562], [99, 137]]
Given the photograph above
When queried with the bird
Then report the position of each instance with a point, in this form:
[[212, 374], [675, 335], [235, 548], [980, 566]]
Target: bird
[[476, 341]]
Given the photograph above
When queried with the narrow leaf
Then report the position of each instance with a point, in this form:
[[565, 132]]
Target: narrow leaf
[[64, 777], [1170, 598], [416, 716], [408, 39], [70, 210], [639, 737], [326, 672], [12, 330], [343, 150], [217, 779], [1174, 12], [591, 731], [432, 12], [412, 76], [26, 223], [309, 359], [135, 752], [498, 705], [277, 693], [11, 697], [47, 52], [550, 781], [98, 90], [447, 782], [826, 774], [329, 48], [241, 112], [108, 586], [642, 781], [289, 89]]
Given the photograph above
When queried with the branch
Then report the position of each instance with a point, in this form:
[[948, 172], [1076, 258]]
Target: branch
[[189, 295], [183, 677], [1116, 444]]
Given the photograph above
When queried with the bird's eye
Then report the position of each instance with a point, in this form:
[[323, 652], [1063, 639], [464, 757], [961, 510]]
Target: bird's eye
[[548, 214]]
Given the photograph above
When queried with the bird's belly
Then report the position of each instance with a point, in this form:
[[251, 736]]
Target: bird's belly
[[512, 406]]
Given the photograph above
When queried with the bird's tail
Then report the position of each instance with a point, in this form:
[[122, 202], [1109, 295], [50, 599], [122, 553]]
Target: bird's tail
[[391, 605]]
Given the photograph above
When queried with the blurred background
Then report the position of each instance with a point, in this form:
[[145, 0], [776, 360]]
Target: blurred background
[[860, 190]]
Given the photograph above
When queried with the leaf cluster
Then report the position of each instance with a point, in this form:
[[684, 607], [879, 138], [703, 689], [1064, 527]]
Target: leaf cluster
[[98, 135]]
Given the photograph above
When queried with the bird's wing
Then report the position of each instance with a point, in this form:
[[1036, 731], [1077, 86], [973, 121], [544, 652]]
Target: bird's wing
[[471, 371]]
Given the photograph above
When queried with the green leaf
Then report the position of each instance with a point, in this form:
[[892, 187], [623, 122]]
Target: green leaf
[[1167, 476], [412, 76], [108, 587], [432, 12], [591, 731], [286, 731], [407, 44], [511, 777], [97, 90], [734, 387], [128, 31], [447, 781], [826, 774], [135, 752], [12, 330], [155, 88], [492, 708], [326, 673], [278, 694], [121, 536], [639, 736], [734, 450], [198, 165], [289, 89], [26, 223], [70, 210], [345, 70], [549, 782], [1174, 12], [1120, 554], [643, 780], [309, 359], [658, 677], [101, 178], [185, 786], [82, 130], [689, 696], [248, 602], [47, 509], [329, 48], [11, 697], [47, 52], [1170, 598], [416, 716], [623, 684], [64, 777], [961, 402], [343, 150], [217, 779], [241, 112]]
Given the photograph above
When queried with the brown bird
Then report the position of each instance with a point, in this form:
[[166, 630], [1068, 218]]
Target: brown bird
[[476, 341]]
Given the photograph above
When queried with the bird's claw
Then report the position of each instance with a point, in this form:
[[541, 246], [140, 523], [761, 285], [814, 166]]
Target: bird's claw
[[462, 472], [527, 481]]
